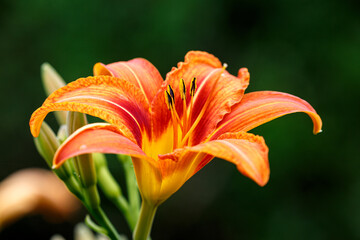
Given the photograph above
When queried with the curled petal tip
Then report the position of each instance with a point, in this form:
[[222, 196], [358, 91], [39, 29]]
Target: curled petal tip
[[100, 69], [316, 121], [58, 162], [244, 73], [263, 178], [263, 182]]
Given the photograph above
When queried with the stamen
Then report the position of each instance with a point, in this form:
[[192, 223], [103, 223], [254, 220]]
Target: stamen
[[183, 97], [187, 113], [168, 100], [205, 106], [182, 89], [177, 118], [170, 90], [170, 104], [171, 93], [175, 130], [193, 87]]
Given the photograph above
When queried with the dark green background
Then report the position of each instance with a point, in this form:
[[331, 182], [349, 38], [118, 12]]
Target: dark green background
[[308, 48]]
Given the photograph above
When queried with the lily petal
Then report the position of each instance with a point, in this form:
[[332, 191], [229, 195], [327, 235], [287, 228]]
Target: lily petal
[[106, 138], [228, 91], [138, 71], [177, 167], [260, 107], [247, 151], [96, 137], [112, 99]]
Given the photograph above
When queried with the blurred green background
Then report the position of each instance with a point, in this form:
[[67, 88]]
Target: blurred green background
[[308, 48]]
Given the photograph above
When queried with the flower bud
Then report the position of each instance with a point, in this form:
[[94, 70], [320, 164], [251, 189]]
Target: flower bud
[[62, 133], [46, 143], [84, 163], [53, 81]]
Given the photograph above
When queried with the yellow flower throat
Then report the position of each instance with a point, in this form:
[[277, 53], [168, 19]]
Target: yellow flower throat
[[179, 133]]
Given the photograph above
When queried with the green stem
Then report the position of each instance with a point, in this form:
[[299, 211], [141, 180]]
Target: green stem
[[112, 190], [145, 221], [91, 195], [103, 220], [74, 187], [93, 226], [121, 203], [130, 216], [133, 192]]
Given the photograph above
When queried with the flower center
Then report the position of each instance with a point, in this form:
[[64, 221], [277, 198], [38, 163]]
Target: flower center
[[183, 120], [184, 126], [181, 127]]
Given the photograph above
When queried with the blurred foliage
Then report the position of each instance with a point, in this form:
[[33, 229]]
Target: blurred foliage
[[308, 48]]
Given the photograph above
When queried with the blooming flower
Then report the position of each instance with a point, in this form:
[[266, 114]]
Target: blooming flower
[[171, 128]]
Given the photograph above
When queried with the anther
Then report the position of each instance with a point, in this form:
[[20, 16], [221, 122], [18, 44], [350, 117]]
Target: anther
[[193, 87], [168, 100], [171, 92], [182, 89]]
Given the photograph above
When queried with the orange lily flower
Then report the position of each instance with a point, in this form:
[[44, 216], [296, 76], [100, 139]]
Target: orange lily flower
[[171, 128]]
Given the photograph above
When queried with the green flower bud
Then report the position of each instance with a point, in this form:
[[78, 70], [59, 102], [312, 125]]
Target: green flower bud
[[47, 144], [84, 163], [62, 133], [52, 81]]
